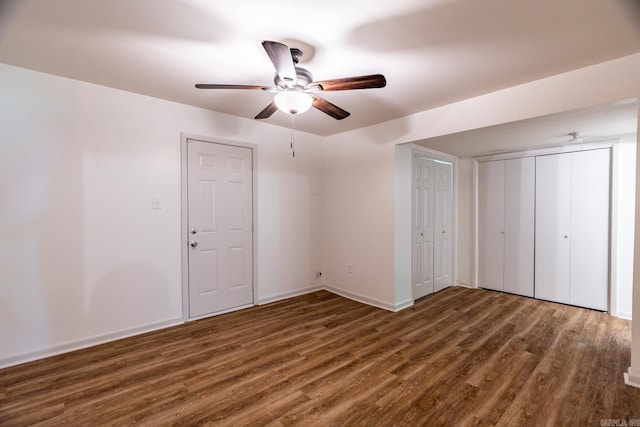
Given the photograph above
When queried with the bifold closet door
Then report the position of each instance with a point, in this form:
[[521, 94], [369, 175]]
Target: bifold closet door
[[423, 228], [432, 264], [519, 223], [443, 225], [491, 225], [553, 227], [590, 229], [506, 199], [572, 228]]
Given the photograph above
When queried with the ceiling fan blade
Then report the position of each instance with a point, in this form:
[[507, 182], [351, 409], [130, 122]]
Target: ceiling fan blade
[[268, 111], [215, 86], [361, 82], [329, 108], [282, 60]]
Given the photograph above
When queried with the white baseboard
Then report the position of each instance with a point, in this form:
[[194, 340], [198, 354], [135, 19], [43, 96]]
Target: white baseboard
[[86, 342], [402, 305], [463, 285], [289, 294], [369, 301], [622, 315], [346, 294], [113, 336], [630, 379]]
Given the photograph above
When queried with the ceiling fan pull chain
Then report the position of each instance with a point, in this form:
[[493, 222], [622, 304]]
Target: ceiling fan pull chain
[[293, 122]]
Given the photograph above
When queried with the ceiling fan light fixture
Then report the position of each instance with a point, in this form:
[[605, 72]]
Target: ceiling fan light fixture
[[293, 101]]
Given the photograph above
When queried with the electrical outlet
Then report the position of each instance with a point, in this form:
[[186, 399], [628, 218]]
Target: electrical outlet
[[155, 201], [349, 268]]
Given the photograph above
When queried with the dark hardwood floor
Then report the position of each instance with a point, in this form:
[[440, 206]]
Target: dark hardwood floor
[[458, 357]]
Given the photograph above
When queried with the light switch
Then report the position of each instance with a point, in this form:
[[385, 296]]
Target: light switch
[[156, 203]]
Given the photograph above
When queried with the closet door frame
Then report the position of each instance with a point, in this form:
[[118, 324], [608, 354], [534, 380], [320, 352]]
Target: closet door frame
[[421, 152], [610, 144]]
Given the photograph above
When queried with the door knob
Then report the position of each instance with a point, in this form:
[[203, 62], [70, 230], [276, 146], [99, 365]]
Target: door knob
[[193, 243], [422, 234], [193, 230]]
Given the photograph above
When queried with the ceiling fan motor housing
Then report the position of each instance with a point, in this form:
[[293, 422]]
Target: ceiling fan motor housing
[[303, 75]]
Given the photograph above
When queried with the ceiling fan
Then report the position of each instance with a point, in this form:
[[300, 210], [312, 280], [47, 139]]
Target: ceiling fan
[[295, 89]]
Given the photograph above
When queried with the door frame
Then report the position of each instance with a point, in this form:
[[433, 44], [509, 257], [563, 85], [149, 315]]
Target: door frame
[[184, 223], [405, 197]]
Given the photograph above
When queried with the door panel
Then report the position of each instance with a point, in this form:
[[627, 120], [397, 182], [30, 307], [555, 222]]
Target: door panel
[[220, 197], [590, 229], [491, 225], [206, 204], [553, 228], [443, 219], [423, 231], [519, 223], [208, 280]]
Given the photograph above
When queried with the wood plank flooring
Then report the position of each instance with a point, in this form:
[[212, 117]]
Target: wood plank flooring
[[458, 357]]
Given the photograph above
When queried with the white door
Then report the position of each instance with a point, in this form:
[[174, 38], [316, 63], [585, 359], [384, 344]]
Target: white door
[[519, 223], [220, 197], [553, 228], [590, 229], [423, 228], [491, 225], [443, 225]]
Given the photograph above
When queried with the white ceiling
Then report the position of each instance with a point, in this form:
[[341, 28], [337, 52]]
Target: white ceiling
[[432, 52]]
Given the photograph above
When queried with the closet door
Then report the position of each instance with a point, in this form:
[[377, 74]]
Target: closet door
[[519, 222], [432, 264], [423, 228], [491, 225], [553, 228], [572, 228], [590, 229], [443, 227], [506, 198]]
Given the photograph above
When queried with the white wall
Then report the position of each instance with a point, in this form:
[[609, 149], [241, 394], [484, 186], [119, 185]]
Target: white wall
[[359, 221], [290, 196], [632, 376], [83, 256], [466, 228], [403, 230], [624, 174]]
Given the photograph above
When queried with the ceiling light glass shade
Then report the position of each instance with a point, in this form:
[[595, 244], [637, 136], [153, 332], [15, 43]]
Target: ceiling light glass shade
[[293, 101]]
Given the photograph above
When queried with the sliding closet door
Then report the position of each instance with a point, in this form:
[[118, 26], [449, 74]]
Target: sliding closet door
[[491, 225], [590, 229], [553, 227], [519, 222]]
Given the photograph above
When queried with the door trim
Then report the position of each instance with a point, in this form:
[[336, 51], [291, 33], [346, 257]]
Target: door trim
[[426, 153], [184, 223]]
